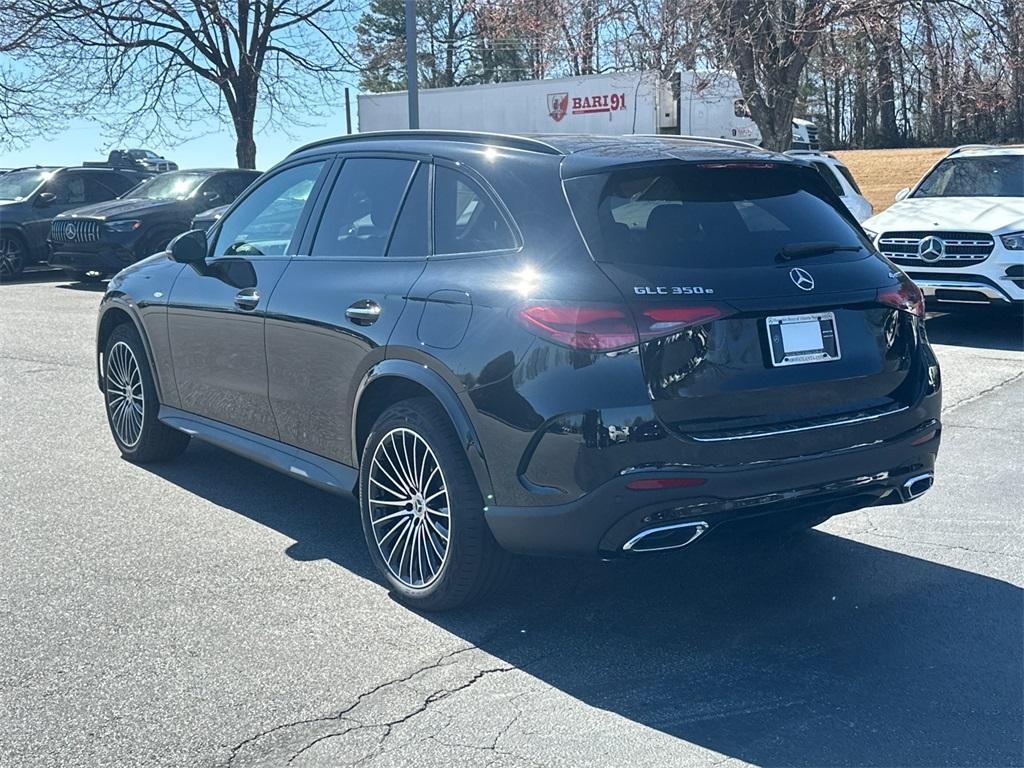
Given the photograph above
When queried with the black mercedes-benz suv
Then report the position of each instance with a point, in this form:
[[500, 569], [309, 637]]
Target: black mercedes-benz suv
[[31, 197], [568, 345], [94, 241]]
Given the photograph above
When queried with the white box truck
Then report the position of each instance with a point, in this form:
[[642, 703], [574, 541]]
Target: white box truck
[[708, 104]]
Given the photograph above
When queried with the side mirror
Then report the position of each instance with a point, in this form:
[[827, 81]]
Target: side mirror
[[190, 247], [45, 198], [902, 194]]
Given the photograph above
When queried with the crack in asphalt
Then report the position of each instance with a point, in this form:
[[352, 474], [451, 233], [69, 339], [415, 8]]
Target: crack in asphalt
[[981, 393], [388, 726], [46, 362], [872, 530], [937, 545], [575, 586], [340, 715]]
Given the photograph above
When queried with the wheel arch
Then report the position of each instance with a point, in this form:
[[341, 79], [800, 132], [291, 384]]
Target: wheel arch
[[114, 314], [393, 380]]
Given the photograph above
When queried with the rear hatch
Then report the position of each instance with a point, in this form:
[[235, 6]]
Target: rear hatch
[[761, 307]]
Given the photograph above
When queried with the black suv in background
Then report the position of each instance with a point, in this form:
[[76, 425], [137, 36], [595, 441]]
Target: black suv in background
[[99, 240], [31, 197], [568, 345]]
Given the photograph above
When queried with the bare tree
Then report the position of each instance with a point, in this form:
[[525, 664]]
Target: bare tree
[[160, 67], [26, 102]]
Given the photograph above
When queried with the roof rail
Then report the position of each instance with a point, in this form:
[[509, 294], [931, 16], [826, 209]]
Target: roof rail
[[475, 137], [815, 152], [963, 147], [701, 139]]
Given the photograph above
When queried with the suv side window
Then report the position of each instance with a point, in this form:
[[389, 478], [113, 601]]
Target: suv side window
[[412, 230], [215, 191], [466, 219], [119, 183], [67, 188], [830, 177], [237, 183], [362, 206], [265, 221]]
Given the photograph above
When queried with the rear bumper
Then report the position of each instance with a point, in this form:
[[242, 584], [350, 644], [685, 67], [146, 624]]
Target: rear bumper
[[604, 521]]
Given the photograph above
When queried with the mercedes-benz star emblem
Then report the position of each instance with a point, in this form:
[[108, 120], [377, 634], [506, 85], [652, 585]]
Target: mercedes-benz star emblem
[[801, 279], [70, 231], [931, 249]]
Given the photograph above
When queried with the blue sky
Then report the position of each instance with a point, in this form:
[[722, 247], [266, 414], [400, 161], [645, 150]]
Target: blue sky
[[83, 140]]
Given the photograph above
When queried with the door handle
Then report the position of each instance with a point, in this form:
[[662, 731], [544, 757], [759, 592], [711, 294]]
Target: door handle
[[247, 298], [363, 312]]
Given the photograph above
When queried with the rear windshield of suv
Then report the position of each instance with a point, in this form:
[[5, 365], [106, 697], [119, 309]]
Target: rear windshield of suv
[[985, 176], [707, 215]]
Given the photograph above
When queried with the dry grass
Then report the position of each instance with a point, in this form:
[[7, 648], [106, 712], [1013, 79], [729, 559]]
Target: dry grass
[[881, 173]]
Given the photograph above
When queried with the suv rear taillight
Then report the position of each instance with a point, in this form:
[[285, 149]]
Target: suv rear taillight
[[603, 328], [905, 296], [655, 322]]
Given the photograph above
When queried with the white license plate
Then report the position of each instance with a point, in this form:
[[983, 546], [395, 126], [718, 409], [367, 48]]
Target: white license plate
[[798, 339]]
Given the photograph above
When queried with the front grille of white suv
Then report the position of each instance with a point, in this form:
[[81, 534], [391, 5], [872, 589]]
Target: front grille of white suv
[[936, 249]]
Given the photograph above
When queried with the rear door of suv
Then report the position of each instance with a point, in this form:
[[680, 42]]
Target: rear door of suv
[[335, 307]]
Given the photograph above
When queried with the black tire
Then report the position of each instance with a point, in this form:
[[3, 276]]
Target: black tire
[[472, 564], [152, 441], [13, 255]]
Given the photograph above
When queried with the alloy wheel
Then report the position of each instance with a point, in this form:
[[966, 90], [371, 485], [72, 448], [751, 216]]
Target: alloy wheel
[[11, 257], [409, 508], [125, 401]]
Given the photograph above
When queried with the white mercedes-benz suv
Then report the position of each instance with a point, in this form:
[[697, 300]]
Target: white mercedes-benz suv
[[959, 233]]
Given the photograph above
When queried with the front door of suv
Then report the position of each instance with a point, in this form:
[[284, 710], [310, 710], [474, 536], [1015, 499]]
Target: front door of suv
[[335, 307], [217, 311]]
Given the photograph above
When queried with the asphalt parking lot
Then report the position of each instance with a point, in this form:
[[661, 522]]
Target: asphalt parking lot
[[210, 612]]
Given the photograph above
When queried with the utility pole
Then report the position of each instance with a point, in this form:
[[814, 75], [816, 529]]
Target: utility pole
[[411, 76], [348, 113]]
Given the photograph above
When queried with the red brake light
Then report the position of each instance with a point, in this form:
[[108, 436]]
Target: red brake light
[[906, 296], [591, 327], [662, 321], [602, 328]]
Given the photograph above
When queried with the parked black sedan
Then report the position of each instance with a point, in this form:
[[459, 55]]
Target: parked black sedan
[[99, 240], [31, 197]]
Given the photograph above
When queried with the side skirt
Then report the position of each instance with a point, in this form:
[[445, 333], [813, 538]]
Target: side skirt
[[308, 467]]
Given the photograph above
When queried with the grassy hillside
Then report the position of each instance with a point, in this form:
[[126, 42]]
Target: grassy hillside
[[881, 173]]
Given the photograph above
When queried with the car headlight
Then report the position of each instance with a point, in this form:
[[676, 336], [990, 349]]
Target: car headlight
[[1013, 241], [126, 225]]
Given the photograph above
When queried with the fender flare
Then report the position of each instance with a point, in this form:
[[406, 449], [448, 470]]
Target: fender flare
[[443, 392], [120, 303]]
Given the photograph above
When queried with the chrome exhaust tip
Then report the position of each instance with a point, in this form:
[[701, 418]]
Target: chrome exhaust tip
[[666, 537], [916, 486]]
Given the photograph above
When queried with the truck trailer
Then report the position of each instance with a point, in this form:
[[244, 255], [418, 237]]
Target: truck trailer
[[692, 103]]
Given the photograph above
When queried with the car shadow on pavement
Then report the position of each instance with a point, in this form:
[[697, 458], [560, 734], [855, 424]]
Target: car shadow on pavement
[[978, 327], [822, 652]]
